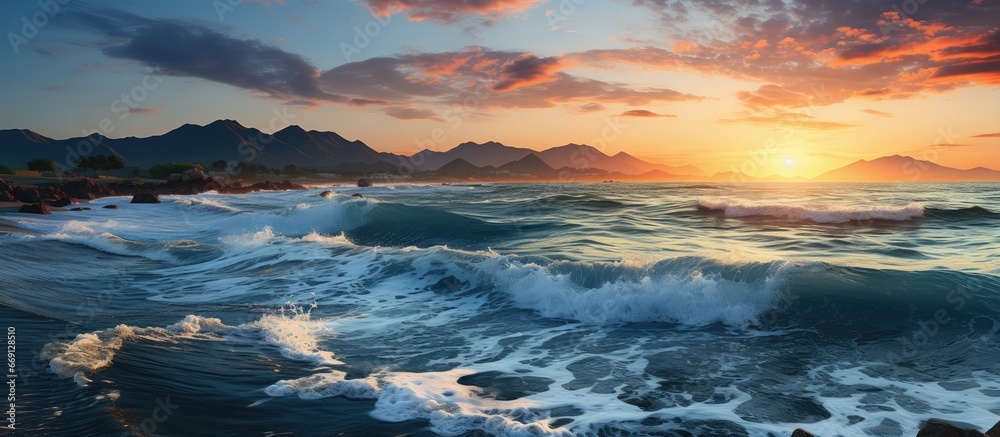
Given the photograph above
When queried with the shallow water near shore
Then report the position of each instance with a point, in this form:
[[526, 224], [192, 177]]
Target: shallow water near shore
[[511, 309]]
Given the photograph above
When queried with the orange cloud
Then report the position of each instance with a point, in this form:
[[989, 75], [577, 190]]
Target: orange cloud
[[644, 113]]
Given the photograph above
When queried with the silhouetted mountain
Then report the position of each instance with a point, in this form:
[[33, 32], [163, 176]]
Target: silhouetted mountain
[[531, 165], [898, 168], [220, 140], [576, 156], [658, 175], [480, 155], [625, 160], [461, 167], [368, 167], [583, 156], [229, 141]]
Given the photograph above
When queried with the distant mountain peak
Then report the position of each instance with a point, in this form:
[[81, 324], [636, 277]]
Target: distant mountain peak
[[293, 129], [481, 145], [899, 168]]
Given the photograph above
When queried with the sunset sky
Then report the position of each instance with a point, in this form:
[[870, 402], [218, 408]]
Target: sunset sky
[[767, 86]]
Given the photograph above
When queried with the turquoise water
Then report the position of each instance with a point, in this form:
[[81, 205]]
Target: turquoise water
[[512, 309]]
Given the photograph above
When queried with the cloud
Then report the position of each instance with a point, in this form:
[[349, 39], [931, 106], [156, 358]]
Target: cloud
[[141, 111], [644, 113], [482, 78], [527, 69], [367, 102], [786, 120], [179, 48], [449, 11], [856, 49], [877, 113], [774, 96], [993, 135], [493, 79], [589, 107], [404, 113]]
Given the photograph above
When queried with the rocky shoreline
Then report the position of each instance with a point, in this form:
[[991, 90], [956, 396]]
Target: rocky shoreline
[[68, 193]]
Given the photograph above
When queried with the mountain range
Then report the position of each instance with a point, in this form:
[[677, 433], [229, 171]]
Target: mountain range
[[230, 141]]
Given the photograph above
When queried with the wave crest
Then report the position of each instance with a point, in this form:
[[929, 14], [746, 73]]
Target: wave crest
[[838, 214]]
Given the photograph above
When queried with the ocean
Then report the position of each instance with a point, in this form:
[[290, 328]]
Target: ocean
[[510, 309]]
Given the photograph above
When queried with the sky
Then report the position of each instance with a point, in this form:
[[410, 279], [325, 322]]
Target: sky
[[788, 87]]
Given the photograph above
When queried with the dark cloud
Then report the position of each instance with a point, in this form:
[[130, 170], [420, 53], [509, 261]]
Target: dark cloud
[[483, 78], [449, 10], [366, 102], [993, 135], [404, 113], [179, 48], [141, 111], [527, 69], [382, 78], [497, 79], [644, 113]]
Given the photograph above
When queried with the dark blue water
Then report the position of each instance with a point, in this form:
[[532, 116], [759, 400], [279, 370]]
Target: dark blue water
[[514, 309]]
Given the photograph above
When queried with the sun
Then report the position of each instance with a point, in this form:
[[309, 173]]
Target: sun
[[789, 162]]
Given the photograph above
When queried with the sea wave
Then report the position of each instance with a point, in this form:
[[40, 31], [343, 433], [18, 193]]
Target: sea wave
[[818, 214], [290, 329]]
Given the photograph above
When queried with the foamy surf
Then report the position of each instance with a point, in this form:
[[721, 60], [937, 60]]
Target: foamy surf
[[520, 310], [290, 329]]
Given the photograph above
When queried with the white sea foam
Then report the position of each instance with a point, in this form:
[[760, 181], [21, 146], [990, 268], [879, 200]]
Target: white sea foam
[[87, 353], [689, 298], [325, 385], [290, 329], [455, 409], [209, 204], [295, 334], [819, 214]]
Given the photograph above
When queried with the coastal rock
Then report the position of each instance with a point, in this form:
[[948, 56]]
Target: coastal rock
[[326, 193], [80, 209], [193, 181], [145, 198], [27, 195], [6, 191], [87, 189], [940, 428], [995, 431], [799, 432], [357, 195], [264, 186], [111, 206], [364, 183], [193, 175], [36, 208], [61, 202]]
